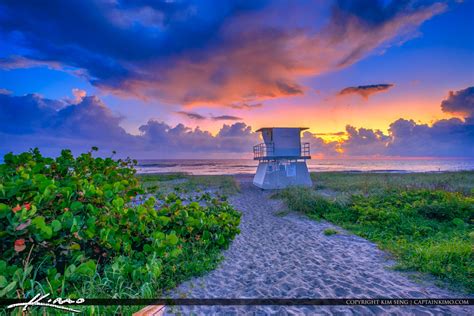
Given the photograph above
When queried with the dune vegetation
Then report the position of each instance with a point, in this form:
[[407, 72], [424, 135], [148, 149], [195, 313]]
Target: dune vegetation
[[86, 227], [185, 183], [424, 220]]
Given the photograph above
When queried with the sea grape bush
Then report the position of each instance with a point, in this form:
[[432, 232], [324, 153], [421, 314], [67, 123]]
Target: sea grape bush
[[67, 227]]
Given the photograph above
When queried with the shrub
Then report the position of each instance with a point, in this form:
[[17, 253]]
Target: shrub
[[443, 206], [69, 224], [306, 201]]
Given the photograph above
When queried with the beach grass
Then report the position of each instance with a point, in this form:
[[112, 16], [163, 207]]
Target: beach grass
[[424, 220], [367, 183], [183, 182], [330, 232]]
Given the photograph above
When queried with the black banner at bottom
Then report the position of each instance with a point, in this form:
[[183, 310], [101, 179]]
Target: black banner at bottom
[[258, 301]]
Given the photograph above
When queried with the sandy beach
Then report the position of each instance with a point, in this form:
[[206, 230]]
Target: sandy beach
[[289, 256]]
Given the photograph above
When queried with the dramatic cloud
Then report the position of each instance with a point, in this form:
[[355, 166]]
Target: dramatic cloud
[[189, 52], [460, 102], [366, 91], [364, 142], [320, 147], [445, 138], [191, 115], [162, 138], [226, 118], [26, 114], [33, 121]]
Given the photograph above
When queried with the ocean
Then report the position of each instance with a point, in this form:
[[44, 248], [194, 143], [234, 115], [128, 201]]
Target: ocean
[[248, 166]]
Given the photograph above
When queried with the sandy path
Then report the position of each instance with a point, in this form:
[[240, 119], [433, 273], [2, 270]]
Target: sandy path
[[290, 257]]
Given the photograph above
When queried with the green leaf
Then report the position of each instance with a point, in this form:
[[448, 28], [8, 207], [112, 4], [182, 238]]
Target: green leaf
[[109, 194], [118, 202], [69, 270], [221, 240], [3, 282], [206, 235], [74, 226], [4, 210], [164, 220], [9, 288], [47, 232], [87, 268], [56, 225], [172, 239], [75, 246], [76, 206], [38, 222], [175, 252]]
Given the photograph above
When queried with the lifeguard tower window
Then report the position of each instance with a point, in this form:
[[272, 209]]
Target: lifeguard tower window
[[282, 158]]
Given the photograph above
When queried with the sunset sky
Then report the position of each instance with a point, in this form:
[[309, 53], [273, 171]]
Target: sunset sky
[[195, 79]]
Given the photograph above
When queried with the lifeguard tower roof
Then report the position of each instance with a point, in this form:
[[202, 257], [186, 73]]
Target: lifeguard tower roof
[[266, 128]]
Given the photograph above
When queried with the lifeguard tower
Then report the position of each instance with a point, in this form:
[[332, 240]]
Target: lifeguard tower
[[282, 158]]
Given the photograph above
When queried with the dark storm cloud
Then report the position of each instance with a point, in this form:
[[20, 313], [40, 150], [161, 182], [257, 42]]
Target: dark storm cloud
[[366, 91], [191, 115], [220, 52], [461, 102]]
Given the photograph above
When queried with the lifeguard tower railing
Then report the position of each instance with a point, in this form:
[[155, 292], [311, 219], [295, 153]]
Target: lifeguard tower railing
[[267, 152]]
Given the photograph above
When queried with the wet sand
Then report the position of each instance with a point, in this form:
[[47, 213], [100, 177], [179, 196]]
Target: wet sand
[[290, 257]]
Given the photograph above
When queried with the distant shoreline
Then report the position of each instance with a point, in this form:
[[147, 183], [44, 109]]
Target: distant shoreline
[[249, 166], [336, 171]]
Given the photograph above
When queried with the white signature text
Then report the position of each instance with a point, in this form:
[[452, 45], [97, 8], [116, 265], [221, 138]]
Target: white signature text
[[39, 300]]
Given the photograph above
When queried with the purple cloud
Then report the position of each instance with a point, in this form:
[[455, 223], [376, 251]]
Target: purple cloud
[[191, 115], [366, 91], [33, 121], [461, 102], [226, 118], [246, 106]]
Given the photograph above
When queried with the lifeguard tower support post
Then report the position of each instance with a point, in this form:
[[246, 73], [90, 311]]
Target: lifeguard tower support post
[[282, 158]]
